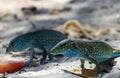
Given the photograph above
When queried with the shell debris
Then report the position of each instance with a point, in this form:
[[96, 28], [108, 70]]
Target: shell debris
[[73, 29]]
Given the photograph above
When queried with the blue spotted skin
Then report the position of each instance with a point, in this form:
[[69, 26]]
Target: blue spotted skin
[[94, 51], [44, 40]]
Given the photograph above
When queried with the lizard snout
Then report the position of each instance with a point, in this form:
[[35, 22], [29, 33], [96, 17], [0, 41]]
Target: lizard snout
[[8, 49]]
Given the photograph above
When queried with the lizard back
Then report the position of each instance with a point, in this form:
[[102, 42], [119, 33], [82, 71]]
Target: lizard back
[[40, 39], [44, 38], [84, 48]]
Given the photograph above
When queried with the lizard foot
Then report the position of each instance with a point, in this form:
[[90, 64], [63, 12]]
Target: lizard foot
[[26, 64], [30, 64], [42, 63]]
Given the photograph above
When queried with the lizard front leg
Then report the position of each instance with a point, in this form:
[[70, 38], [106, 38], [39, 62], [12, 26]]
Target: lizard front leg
[[31, 57], [42, 60]]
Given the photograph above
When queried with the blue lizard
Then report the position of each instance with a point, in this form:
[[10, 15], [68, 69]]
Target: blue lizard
[[95, 51], [44, 40]]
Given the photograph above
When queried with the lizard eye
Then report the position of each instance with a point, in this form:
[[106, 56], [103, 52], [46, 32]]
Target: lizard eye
[[110, 64], [21, 40], [61, 46], [12, 44]]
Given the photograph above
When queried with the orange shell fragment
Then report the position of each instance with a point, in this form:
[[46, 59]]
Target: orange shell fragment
[[10, 64], [10, 68]]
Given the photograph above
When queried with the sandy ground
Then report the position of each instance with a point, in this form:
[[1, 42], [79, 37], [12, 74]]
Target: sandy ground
[[96, 13]]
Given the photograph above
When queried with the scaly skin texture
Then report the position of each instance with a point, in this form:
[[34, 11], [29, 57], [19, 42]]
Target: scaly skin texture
[[44, 40], [95, 51]]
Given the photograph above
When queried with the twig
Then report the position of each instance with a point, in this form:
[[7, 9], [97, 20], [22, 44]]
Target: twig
[[80, 75], [33, 25]]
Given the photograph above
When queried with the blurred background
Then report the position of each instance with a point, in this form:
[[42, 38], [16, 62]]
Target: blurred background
[[89, 19], [20, 16]]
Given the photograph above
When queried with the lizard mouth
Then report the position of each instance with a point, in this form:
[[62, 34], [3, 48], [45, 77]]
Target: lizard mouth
[[15, 50], [59, 55], [10, 50]]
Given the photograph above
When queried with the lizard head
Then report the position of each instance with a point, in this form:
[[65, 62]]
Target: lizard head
[[60, 47], [17, 44]]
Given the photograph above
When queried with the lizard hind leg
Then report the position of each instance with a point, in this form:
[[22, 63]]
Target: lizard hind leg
[[82, 63], [42, 60]]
